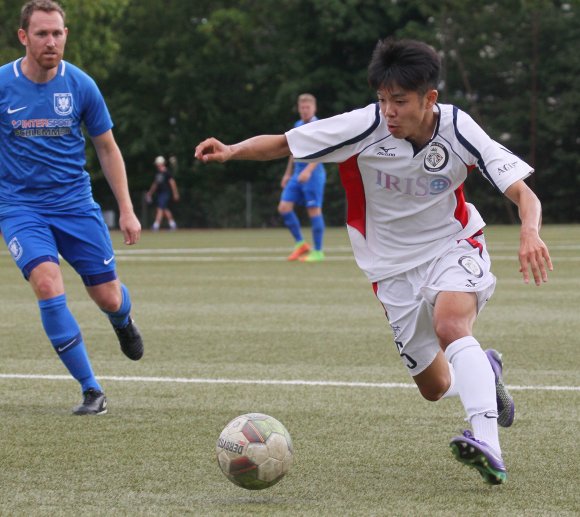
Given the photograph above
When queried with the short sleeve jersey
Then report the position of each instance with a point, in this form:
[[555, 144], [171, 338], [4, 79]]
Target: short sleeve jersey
[[42, 147], [406, 206], [300, 166], [162, 179]]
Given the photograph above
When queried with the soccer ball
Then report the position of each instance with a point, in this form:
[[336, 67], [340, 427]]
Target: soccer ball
[[254, 451]]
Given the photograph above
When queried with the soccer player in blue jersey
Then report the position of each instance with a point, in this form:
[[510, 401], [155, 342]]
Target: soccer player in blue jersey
[[303, 184], [46, 204]]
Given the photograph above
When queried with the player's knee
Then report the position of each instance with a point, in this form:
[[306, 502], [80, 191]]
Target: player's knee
[[432, 393], [449, 330], [46, 288], [284, 209], [111, 303]]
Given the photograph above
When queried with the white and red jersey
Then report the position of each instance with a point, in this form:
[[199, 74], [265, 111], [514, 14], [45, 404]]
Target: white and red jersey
[[404, 207]]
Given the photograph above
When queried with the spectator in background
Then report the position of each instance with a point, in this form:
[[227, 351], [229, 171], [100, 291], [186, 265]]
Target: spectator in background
[[165, 187]]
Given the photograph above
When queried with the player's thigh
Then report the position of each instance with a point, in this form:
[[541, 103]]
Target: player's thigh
[[411, 319], [464, 268], [29, 239], [163, 200], [84, 241], [313, 192], [292, 193]]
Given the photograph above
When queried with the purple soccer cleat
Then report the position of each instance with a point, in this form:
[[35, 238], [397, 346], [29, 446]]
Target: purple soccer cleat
[[477, 454], [505, 403]]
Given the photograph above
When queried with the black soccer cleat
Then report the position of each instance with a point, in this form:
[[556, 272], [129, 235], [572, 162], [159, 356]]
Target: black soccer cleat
[[130, 340], [94, 403]]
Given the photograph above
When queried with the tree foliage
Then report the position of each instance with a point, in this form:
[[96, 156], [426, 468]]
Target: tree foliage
[[175, 72]]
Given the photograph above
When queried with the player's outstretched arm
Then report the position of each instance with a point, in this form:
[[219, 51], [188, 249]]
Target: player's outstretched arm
[[533, 255], [262, 148]]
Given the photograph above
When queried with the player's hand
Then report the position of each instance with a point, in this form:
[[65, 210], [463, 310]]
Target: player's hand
[[148, 198], [535, 257], [212, 150], [285, 180], [131, 228], [304, 176]]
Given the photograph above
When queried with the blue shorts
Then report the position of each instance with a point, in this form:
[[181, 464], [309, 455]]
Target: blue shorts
[[309, 194], [163, 199], [81, 237]]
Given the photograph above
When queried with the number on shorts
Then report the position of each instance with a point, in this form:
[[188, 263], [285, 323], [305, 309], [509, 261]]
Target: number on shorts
[[411, 363]]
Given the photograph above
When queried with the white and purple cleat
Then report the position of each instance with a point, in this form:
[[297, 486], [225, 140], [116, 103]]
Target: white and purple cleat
[[505, 403], [479, 455]]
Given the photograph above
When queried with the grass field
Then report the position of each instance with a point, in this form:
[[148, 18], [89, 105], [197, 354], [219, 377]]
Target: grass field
[[230, 328]]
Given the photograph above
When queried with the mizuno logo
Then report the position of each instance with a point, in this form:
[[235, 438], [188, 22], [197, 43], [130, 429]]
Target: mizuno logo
[[108, 261], [386, 151], [63, 348], [10, 110], [490, 414]]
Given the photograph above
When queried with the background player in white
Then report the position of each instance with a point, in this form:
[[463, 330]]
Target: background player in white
[[46, 203], [403, 163]]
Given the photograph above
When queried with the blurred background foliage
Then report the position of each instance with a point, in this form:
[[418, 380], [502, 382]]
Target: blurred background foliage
[[174, 72]]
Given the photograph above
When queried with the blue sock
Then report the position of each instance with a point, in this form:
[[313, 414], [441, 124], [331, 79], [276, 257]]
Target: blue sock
[[65, 336], [120, 318], [317, 223], [291, 221]]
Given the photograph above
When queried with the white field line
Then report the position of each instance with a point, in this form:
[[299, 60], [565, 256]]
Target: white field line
[[262, 382], [328, 258], [241, 254]]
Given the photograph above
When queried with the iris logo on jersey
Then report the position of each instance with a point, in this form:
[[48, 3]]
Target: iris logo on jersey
[[15, 248], [471, 266], [422, 186], [436, 158], [63, 103]]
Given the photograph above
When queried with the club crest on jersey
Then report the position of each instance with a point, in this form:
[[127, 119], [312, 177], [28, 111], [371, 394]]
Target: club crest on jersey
[[63, 103], [15, 248], [471, 266], [436, 158]]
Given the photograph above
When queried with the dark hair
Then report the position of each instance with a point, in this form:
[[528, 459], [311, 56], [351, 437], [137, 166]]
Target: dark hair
[[412, 65], [47, 6]]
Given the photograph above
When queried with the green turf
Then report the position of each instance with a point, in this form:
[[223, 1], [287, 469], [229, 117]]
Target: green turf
[[221, 304]]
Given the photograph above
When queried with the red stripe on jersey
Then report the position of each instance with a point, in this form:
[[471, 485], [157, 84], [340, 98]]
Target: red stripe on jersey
[[351, 180], [461, 212], [475, 243]]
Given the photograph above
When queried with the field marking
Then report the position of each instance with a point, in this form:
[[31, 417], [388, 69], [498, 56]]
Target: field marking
[[261, 382]]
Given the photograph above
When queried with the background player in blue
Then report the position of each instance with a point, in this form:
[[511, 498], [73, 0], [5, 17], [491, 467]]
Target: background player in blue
[[46, 203], [303, 184]]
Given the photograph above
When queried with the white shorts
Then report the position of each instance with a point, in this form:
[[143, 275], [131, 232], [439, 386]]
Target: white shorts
[[409, 298]]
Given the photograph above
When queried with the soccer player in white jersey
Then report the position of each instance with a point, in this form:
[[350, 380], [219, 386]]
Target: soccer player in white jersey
[[403, 161]]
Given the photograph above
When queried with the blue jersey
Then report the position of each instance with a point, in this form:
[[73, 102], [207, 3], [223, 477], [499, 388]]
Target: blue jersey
[[42, 147], [300, 166]]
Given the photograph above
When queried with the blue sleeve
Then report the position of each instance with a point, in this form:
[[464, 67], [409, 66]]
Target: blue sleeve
[[95, 114]]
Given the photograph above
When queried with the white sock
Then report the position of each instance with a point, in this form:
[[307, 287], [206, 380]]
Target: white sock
[[475, 383], [452, 390]]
